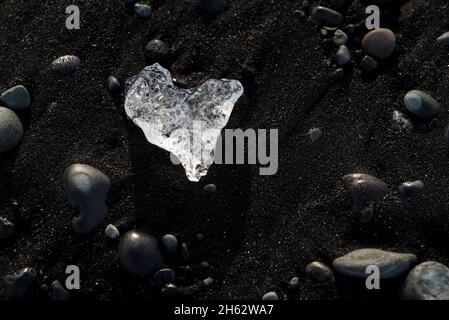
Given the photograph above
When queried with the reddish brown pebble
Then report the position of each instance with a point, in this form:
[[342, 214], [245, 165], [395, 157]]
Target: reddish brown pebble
[[379, 43]]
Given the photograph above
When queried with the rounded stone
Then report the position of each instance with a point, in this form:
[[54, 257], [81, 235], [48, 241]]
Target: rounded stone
[[379, 43], [270, 296], [7, 228], [208, 281], [421, 104], [143, 10], [163, 277], [327, 16], [113, 83], [343, 55], [390, 264], [364, 189], [368, 64], [401, 122], [340, 38], [16, 97], [157, 51], [17, 284], [11, 130], [427, 281], [86, 188], [112, 232], [210, 188], [410, 189], [66, 64], [211, 5], [139, 253], [170, 244], [293, 284], [444, 39], [59, 293], [315, 134], [319, 272]]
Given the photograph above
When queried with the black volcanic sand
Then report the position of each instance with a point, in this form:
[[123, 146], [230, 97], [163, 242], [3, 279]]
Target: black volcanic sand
[[260, 230]]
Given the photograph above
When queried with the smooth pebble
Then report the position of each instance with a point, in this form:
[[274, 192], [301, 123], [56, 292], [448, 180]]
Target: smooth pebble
[[18, 284], [66, 64], [340, 38], [368, 64], [410, 189], [113, 83], [143, 10], [270, 296], [16, 97], [343, 55], [327, 16], [170, 244], [379, 43], [319, 272], [11, 130], [421, 104]]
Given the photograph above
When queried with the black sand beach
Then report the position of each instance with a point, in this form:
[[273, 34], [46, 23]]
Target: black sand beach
[[260, 231]]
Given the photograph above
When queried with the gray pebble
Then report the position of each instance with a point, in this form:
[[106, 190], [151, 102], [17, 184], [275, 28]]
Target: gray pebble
[[379, 43], [156, 51], [340, 38], [337, 74], [390, 264], [427, 281], [17, 284], [163, 277], [86, 188], [143, 10], [59, 293], [444, 39], [210, 188], [319, 272], [16, 98], [170, 244], [113, 83], [200, 237], [7, 228], [327, 16], [270, 296], [205, 265], [139, 253], [66, 64], [211, 5], [368, 64], [112, 232], [11, 130], [410, 189], [315, 134], [208, 281], [421, 104], [343, 55], [293, 284], [364, 189], [401, 122]]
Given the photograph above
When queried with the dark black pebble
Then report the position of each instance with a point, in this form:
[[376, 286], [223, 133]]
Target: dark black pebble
[[163, 277], [17, 284], [410, 189], [157, 51], [7, 228]]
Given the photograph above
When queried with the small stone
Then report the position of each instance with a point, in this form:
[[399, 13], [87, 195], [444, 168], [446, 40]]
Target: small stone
[[427, 281], [324, 32], [170, 290], [293, 284], [66, 64], [379, 43], [142, 10], [444, 39], [205, 265], [343, 55], [411, 188], [368, 64], [163, 277], [170, 244], [340, 38], [421, 104], [156, 51], [17, 284], [212, 188], [319, 272], [364, 189], [113, 83], [139, 253], [315, 134], [7, 228], [16, 97], [208, 281], [211, 5], [390, 264], [270, 296], [327, 16], [337, 74], [401, 122], [200, 237], [112, 232], [59, 293], [11, 130], [185, 252], [86, 188]]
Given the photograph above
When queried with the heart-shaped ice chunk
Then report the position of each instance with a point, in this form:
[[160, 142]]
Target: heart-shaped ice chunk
[[185, 122]]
